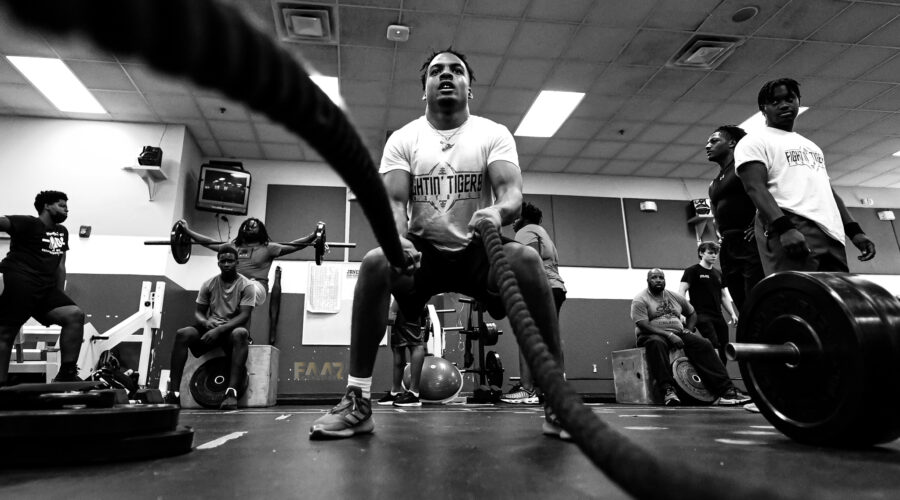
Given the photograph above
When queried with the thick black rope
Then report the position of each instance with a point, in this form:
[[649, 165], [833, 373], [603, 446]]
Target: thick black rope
[[638, 472], [213, 45]]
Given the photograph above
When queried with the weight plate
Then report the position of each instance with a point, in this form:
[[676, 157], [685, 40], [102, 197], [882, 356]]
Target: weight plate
[[181, 244], [845, 329], [210, 381], [689, 381], [493, 369], [82, 449], [122, 420]]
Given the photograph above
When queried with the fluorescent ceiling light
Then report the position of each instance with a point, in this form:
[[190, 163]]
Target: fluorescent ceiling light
[[331, 87], [57, 82], [547, 114], [758, 120], [896, 154]]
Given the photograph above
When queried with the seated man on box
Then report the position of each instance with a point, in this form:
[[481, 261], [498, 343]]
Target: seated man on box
[[657, 315], [223, 310]]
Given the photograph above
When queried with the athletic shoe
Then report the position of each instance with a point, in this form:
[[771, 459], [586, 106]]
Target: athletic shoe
[[671, 398], [388, 398], [552, 427], [407, 399], [353, 415], [732, 396], [230, 401], [171, 399], [67, 376], [520, 395], [751, 407]]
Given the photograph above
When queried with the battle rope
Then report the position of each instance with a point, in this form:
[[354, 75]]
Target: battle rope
[[216, 47], [631, 467]]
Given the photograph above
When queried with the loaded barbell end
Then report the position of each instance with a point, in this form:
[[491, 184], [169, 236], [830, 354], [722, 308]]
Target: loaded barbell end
[[788, 352]]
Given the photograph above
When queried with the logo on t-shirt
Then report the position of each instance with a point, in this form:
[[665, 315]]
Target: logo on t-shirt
[[664, 309], [442, 187], [55, 243], [805, 158]]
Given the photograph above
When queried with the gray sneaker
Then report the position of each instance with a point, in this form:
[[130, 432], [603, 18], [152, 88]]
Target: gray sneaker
[[732, 396], [353, 415]]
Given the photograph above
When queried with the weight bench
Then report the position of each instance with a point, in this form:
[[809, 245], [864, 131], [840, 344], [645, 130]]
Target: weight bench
[[262, 370], [634, 385]]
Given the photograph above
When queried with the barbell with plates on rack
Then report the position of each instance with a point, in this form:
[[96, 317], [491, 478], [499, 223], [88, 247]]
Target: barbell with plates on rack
[[820, 355], [180, 242]]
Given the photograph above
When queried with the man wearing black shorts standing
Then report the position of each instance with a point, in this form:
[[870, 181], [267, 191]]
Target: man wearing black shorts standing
[[34, 277], [224, 304]]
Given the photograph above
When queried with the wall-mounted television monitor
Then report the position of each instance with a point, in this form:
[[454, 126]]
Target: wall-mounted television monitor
[[223, 188]]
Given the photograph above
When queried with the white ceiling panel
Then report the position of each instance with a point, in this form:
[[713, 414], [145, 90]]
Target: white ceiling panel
[[856, 22], [240, 149]]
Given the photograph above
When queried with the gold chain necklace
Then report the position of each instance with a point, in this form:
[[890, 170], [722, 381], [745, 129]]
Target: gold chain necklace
[[445, 139]]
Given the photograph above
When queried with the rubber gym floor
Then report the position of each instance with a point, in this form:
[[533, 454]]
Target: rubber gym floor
[[457, 451]]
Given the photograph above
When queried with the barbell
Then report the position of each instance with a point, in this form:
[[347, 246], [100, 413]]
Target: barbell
[[180, 242], [820, 355]]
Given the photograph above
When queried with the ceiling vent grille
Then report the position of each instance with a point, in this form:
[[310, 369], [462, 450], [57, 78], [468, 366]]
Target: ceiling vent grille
[[704, 52], [300, 22]]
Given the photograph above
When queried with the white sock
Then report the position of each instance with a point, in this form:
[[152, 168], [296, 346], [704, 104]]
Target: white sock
[[416, 394], [365, 384]]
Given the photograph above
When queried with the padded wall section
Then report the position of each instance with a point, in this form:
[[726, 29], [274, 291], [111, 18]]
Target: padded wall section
[[589, 231], [663, 238], [360, 233], [591, 330], [293, 211], [543, 202], [883, 234]]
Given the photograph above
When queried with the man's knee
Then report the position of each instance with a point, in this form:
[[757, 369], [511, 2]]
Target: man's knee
[[187, 335], [524, 261], [374, 262], [240, 336], [68, 316]]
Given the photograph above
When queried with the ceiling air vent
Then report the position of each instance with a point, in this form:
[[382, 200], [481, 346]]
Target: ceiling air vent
[[301, 22], [704, 52]]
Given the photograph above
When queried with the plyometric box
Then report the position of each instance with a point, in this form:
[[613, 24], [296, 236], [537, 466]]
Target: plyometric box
[[262, 369], [632, 378]]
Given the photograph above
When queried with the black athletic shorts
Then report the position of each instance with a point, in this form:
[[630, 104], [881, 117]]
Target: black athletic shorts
[[409, 333], [465, 271], [27, 297]]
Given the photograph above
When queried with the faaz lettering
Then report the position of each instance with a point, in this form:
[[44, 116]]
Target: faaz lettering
[[310, 370]]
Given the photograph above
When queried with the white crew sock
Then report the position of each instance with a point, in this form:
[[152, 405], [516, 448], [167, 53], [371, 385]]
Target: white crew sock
[[365, 384]]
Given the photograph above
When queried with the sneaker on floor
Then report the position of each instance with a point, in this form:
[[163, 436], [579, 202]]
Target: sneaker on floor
[[388, 398], [520, 395], [171, 399], [230, 401], [353, 415], [67, 377], [751, 407], [552, 427], [732, 396], [671, 397], [407, 399]]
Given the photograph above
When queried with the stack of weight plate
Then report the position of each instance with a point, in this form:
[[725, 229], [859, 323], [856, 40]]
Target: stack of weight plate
[[80, 422]]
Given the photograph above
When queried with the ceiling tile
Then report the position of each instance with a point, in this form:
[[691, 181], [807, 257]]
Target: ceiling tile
[[530, 145], [881, 181], [366, 63], [854, 120], [598, 44], [24, 98], [629, 14], [274, 133], [363, 92], [444, 6], [695, 136], [817, 117], [573, 76], [240, 149], [485, 36], [807, 58], [317, 58], [407, 94], [852, 179], [199, 129], [563, 147], [854, 94], [856, 61], [661, 133], [655, 169], [813, 90], [549, 164], [428, 32], [720, 19], [687, 112], [621, 167], [171, 106], [365, 26], [717, 86], [888, 36], [756, 54], [681, 15], [797, 20], [148, 80], [101, 75], [585, 166], [367, 116], [622, 80], [216, 108], [398, 117], [620, 129], [882, 166], [18, 41], [644, 109], [678, 153], [822, 138], [691, 171], [672, 82], [231, 131], [598, 107], [507, 8], [9, 74], [652, 47], [548, 10], [638, 151], [79, 48], [501, 100], [524, 73], [887, 72], [579, 128], [726, 114], [285, 152], [535, 39], [209, 148], [602, 149], [118, 103], [884, 146], [852, 144], [889, 101], [856, 22]]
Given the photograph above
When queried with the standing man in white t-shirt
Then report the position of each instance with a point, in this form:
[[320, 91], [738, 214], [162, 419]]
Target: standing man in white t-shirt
[[444, 172], [802, 223]]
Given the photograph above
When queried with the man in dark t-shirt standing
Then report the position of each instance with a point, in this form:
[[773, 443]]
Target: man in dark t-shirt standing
[[33, 279], [735, 214], [703, 283]]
